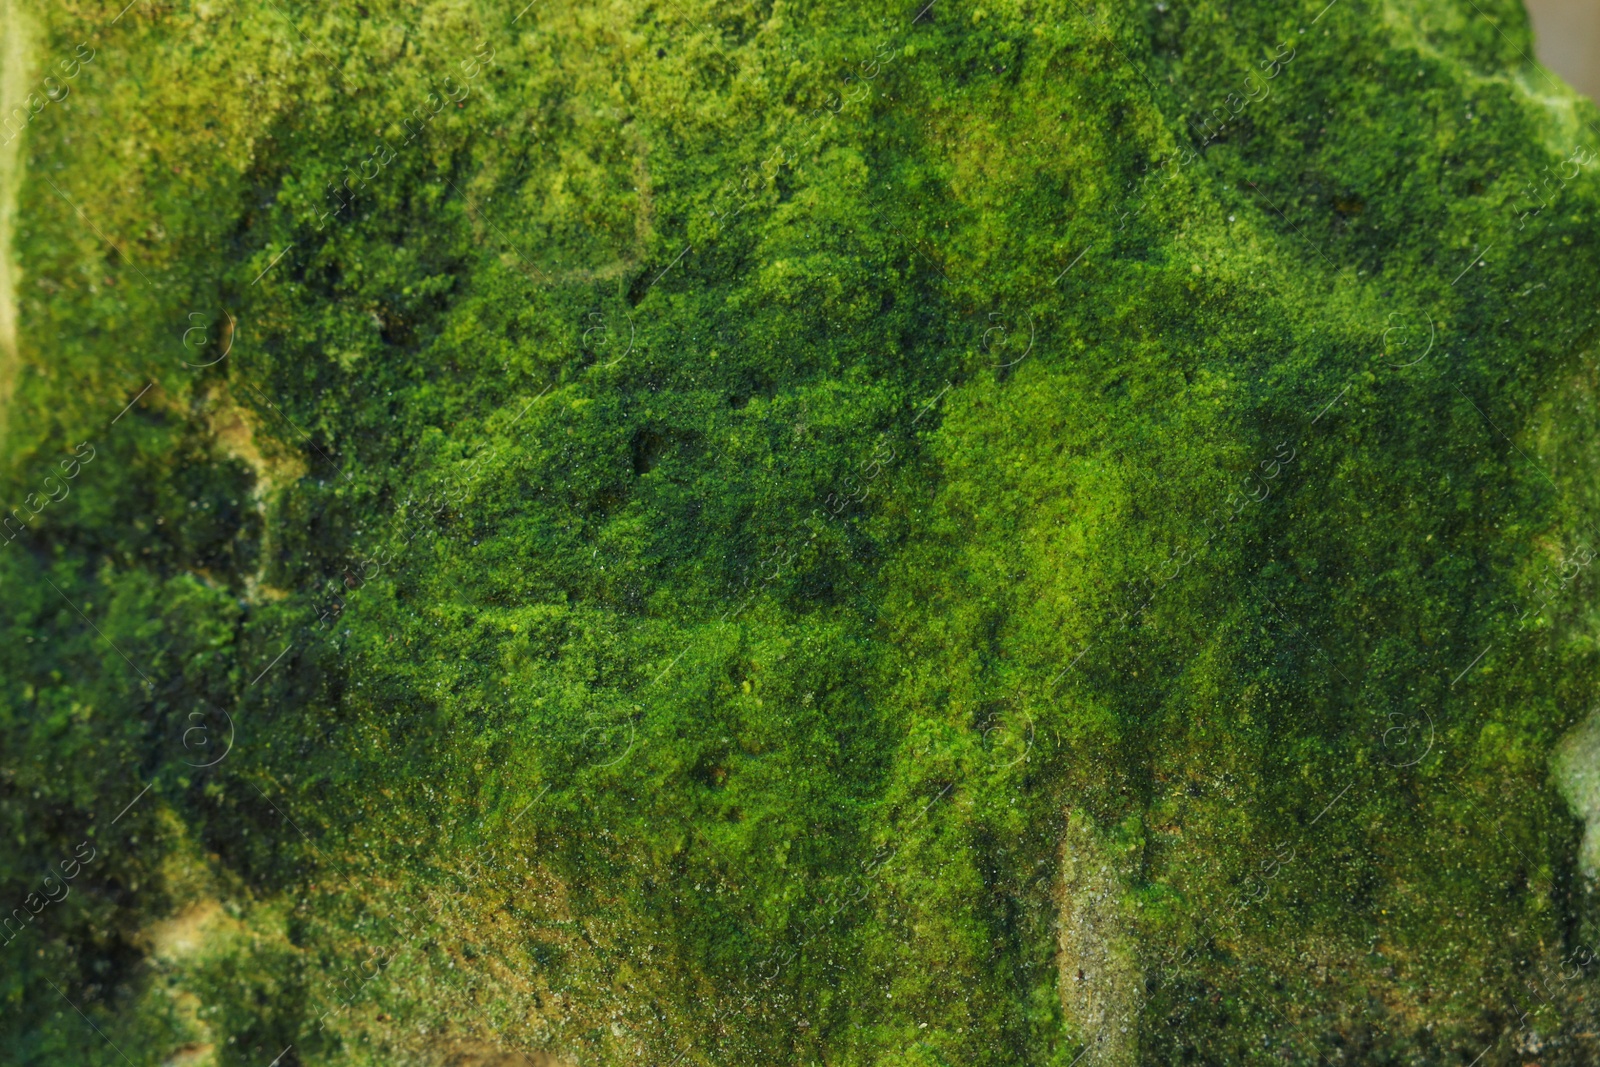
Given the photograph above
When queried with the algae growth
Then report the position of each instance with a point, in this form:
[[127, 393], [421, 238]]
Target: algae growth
[[686, 533]]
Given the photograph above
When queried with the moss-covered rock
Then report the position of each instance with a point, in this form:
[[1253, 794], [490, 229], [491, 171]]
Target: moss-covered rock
[[694, 533]]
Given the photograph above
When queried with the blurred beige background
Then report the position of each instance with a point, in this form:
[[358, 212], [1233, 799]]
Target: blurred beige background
[[1567, 37]]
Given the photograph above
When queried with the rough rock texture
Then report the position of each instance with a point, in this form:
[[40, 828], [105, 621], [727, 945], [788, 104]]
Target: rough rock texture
[[1101, 988], [1576, 768]]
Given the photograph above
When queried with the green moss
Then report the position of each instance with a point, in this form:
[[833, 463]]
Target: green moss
[[724, 496]]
